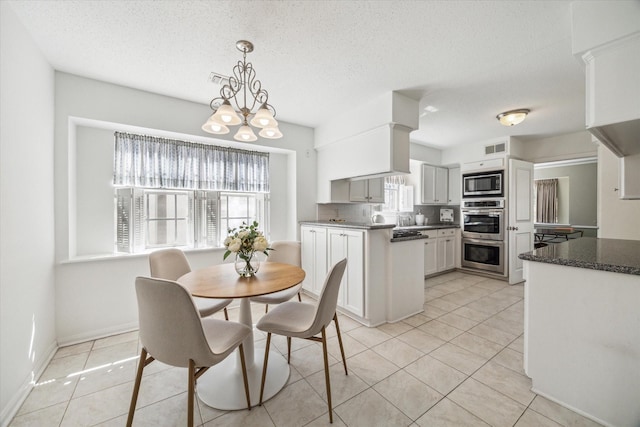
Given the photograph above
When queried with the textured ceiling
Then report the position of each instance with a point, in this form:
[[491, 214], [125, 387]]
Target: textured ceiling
[[470, 59]]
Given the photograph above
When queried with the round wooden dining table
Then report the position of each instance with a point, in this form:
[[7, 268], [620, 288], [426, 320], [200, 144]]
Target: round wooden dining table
[[222, 386]]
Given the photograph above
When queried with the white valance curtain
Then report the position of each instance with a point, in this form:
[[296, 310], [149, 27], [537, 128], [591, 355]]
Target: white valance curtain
[[153, 162], [546, 200]]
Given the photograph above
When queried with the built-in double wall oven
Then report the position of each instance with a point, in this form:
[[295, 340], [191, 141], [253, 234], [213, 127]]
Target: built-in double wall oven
[[483, 235]]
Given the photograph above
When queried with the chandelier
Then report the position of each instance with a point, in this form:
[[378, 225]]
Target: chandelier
[[246, 93]]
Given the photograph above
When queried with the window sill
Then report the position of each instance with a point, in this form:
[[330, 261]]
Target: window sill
[[122, 255]]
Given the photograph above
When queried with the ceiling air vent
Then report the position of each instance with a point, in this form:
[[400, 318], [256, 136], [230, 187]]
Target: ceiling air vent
[[495, 148], [218, 79]]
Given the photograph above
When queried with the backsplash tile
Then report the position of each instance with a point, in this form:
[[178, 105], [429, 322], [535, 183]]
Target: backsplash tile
[[360, 212]]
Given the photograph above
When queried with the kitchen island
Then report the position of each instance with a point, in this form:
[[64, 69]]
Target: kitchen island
[[384, 279], [582, 327]]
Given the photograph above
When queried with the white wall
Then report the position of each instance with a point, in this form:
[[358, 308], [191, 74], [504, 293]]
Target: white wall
[[617, 219], [470, 152], [562, 147], [27, 298], [95, 297], [579, 199], [425, 154]]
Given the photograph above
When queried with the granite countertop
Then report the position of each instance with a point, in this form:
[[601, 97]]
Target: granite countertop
[[348, 224], [614, 255], [375, 226]]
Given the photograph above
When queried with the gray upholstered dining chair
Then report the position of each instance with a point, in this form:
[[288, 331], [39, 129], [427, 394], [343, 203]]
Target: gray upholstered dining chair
[[172, 331], [170, 264], [287, 252], [303, 320]]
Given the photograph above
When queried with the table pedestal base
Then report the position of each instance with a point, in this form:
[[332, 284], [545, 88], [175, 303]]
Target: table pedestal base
[[222, 387]]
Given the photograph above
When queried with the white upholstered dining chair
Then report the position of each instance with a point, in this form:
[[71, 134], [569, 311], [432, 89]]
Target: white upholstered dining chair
[[170, 264], [303, 320], [172, 331], [287, 252]]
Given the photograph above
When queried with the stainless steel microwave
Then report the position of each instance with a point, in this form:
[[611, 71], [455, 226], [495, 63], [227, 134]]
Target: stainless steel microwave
[[483, 184]]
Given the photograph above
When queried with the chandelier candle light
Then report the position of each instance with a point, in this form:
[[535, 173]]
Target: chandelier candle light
[[245, 241], [247, 93]]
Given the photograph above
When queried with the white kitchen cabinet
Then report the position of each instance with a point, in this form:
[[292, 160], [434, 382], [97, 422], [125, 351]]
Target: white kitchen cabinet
[[446, 252], [349, 244], [441, 250], [455, 186], [430, 252], [434, 185], [430, 257], [484, 165], [367, 190], [405, 295], [314, 257]]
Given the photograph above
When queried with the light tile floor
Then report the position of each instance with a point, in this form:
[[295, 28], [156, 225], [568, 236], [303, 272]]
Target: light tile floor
[[459, 363]]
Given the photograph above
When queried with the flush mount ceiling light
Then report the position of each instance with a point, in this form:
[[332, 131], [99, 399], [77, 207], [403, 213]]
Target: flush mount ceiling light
[[513, 117], [246, 93]]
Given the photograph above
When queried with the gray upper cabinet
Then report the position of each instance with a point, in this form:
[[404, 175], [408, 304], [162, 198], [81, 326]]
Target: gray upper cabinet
[[455, 186], [435, 185], [367, 190]]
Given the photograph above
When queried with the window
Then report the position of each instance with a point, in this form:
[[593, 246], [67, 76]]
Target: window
[[239, 208], [398, 197], [180, 193], [168, 218], [149, 219]]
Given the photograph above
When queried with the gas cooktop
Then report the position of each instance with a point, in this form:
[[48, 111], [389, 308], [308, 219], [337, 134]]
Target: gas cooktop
[[405, 233]]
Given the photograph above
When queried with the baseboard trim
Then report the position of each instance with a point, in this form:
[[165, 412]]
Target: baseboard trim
[[14, 404], [97, 334], [576, 410]]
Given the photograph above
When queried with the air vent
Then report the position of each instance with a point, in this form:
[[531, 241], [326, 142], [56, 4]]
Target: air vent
[[495, 148], [218, 79]]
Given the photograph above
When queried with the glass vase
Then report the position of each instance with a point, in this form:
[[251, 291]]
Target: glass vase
[[247, 265]]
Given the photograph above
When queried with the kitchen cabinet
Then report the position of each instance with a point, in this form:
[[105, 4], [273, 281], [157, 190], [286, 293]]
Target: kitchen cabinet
[[455, 186], [349, 244], [446, 252], [430, 252], [484, 165], [434, 185], [367, 190], [405, 295], [314, 257], [441, 250]]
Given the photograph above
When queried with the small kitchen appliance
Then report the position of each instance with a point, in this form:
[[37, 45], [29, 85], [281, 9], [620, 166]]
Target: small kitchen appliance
[[446, 215], [483, 184]]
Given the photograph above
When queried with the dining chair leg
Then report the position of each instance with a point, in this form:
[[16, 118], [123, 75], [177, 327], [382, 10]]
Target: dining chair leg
[[344, 359], [264, 366], [266, 308], [191, 392], [244, 376], [226, 314], [289, 350], [326, 372], [299, 297], [136, 387]]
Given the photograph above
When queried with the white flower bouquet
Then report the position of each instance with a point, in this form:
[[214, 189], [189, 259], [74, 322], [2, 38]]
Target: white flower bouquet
[[245, 241]]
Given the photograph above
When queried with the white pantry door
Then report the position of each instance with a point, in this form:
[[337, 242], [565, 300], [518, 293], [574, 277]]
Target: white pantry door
[[520, 226]]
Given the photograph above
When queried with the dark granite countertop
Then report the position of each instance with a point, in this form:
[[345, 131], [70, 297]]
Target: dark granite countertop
[[347, 224], [614, 255]]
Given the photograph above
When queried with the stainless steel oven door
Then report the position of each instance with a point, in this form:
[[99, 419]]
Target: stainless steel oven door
[[487, 255], [487, 224]]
